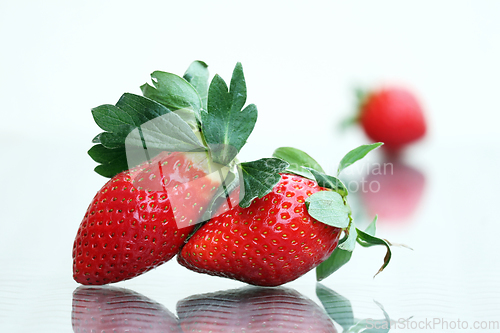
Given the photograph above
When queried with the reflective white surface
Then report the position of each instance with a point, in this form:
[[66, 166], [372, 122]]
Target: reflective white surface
[[300, 61]]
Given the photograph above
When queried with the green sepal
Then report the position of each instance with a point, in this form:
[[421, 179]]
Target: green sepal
[[128, 130], [197, 74], [350, 238], [371, 229], [260, 177], [355, 155], [329, 208], [129, 112], [165, 133], [330, 182], [340, 256], [172, 91], [337, 259], [225, 125], [298, 159], [97, 138], [112, 161], [366, 239], [112, 140]]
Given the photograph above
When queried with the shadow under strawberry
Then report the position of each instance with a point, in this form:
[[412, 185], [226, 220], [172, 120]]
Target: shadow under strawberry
[[111, 309], [253, 309]]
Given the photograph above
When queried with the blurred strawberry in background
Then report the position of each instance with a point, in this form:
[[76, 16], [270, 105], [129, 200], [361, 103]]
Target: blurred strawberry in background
[[392, 115], [111, 309], [395, 191]]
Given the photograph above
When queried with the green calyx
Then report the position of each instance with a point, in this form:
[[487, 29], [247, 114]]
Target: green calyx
[[361, 96], [185, 114]]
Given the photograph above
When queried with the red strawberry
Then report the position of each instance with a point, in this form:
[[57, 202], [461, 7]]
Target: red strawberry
[[271, 242], [392, 115], [141, 217], [107, 309], [253, 309]]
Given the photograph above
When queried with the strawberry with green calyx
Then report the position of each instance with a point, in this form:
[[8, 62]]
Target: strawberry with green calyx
[[271, 242], [332, 207], [169, 159], [280, 236], [327, 211], [392, 115], [129, 229]]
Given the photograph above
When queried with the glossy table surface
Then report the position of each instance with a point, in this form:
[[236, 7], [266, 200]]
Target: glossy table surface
[[450, 274], [440, 198]]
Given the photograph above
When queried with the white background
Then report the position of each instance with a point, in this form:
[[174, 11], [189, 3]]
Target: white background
[[302, 60]]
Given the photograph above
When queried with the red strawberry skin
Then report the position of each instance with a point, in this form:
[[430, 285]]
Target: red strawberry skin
[[253, 309], [272, 242], [393, 116], [109, 309], [141, 217]]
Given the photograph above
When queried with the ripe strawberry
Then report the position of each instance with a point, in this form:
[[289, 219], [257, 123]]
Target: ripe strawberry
[[253, 309], [108, 309], [141, 217], [271, 242], [392, 115]]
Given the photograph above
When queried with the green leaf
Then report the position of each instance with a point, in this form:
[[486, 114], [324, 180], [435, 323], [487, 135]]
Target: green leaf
[[259, 178], [111, 140], [337, 259], [172, 91], [189, 117], [112, 161], [197, 74], [97, 138], [328, 207], [337, 306], [349, 242], [112, 119], [167, 132], [238, 89], [129, 112], [340, 256], [354, 118], [330, 182], [367, 240], [355, 155], [135, 125], [225, 125], [372, 227], [297, 160]]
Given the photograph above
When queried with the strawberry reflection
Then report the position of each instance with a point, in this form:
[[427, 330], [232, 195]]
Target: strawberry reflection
[[253, 309], [249, 309], [395, 190], [111, 309]]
